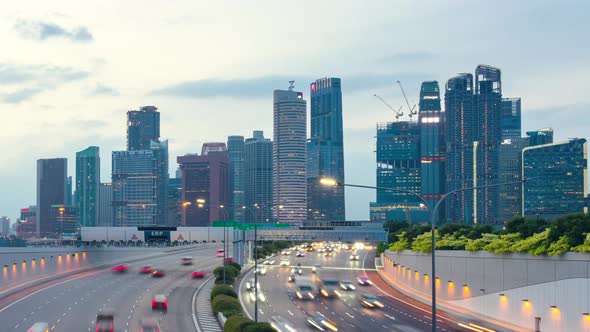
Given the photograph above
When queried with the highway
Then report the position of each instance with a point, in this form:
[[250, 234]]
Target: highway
[[400, 313], [71, 303]]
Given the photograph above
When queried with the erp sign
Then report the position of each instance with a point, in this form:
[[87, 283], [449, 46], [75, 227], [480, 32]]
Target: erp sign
[[157, 236]]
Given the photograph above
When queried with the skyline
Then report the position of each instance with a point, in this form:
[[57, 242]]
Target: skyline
[[79, 99]]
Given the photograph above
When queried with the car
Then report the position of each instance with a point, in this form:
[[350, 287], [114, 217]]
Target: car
[[328, 254], [284, 252], [305, 292], [149, 325], [292, 277], [346, 285], [105, 320], [354, 257], [187, 260], [198, 274], [310, 249], [320, 322], [363, 280], [250, 284], [229, 259], [297, 270], [281, 325], [300, 254], [252, 295], [316, 268], [285, 262], [120, 268], [261, 270], [220, 253], [329, 288], [159, 301], [268, 262], [146, 269], [39, 327], [370, 301], [158, 273]]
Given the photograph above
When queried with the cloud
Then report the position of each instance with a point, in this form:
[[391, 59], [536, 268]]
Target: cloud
[[43, 30], [103, 90], [559, 118], [20, 95], [408, 57], [262, 87]]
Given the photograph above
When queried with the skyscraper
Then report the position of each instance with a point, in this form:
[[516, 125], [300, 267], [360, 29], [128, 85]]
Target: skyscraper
[[487, 138], [459, 133], [205, 187], [174, 201], [398, 166], [105, 204], [511, 118], [540, 137], [289, 156], [26, 224], [432, 144], [51, 190], [143, 126], [559, 179], [70, 199], [510, 204], [4, 226], [160, 152], [235, 149], [258, 176], [325, 151], [87, 184], [64, 219]]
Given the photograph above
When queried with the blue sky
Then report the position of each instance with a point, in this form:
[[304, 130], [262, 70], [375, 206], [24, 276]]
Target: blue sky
[[70, 70]]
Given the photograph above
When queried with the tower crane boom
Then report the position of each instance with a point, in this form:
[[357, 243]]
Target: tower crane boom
[[398, 112], [412, 108]]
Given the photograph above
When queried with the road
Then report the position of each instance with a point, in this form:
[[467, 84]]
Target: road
[[71, 304], [399, 313]]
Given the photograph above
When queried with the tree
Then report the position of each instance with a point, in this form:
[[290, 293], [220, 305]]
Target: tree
[[503, 243], [259, 327], [227, 305], [223, 289], [236, 323], [584, 247], [535, 245], [525, 227], [423, 242], [480, 243], [451, 242], [559, 247], [574, 227], [402, 243]]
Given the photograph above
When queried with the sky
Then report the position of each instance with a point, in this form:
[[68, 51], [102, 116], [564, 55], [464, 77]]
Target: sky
[[69, 71]]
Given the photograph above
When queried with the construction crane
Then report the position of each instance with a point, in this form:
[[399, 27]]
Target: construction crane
[[412, 108], [398, 112]]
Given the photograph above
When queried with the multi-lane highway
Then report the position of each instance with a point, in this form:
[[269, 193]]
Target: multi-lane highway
[[71, 303], [398, 314]]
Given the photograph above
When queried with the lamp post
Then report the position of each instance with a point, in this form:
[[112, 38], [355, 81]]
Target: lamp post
[[255, 212], [432, 212]]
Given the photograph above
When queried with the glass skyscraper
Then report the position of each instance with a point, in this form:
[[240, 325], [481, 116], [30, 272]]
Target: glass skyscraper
[[143, 126], [258, 177], [559, 183], [325, 151], [510, 204], [235, 149], [51, 190], [540, 137], [87, 186], [105, 204], [511, 118]]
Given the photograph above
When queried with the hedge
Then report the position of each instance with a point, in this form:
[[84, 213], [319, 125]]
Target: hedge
[[226, 304], [236, 323], [236, 265], [259, 327], [229, 280], [225, 290], [229, 271]]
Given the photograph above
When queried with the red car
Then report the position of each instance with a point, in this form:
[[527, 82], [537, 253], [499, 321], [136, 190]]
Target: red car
[[120, 268], [159, 302], [158, 273], [229, 259], [146, 269], [198, 274]]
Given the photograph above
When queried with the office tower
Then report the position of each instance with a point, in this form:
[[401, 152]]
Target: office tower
[[289, 156], [51, 190], [540, 137], [258, 177], [235, 149], [4, 226], [432, 144], [160, 151], [205, 187], [87, 184], [511, 118], [174, 201], [134, 185], [398, 167], [26, 224], [210, 147], [325, 151], [105, 204], [559, 179], [510, 204], [459, 131], [70, 197], [143, 126], [487, 139], [64, 219]]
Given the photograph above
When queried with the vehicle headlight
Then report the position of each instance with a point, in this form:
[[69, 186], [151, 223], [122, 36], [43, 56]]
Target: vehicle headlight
[[311, 295], [337, 292], [379, 304], [252, 297], [299, 295], [352, 287], [323, 291], [343, 287]]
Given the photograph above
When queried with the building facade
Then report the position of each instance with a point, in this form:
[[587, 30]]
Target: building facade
[[510, 204], [4, 226], [51, 190], [511, 118], [143, 126], [325, 151], [26, 224], [87, 185], [64, 220], [540, 137], [105, 204], [258, 177], [559, 179], [235, 149], [289, 156], [174, 201]]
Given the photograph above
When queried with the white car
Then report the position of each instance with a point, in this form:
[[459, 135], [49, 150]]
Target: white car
[[354, 257], [39, 327], [285, 262], [316, 268], [261, 270]]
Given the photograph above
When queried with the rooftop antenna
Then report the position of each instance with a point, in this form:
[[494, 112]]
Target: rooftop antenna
[[398, 112], [291, 85]]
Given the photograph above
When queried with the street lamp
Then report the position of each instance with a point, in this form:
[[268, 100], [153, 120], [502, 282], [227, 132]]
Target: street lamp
[[257, 207], [432, 212]]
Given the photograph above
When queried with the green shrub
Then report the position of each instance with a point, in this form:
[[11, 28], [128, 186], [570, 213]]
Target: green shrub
[[236, 265], [223, 289], [230, 271], [226, 304], [401, 243], [259, 327], [236, 323], [502, 244], [559, 247], [229, 280]]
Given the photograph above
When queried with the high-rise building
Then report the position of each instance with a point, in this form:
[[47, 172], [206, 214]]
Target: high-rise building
[[325, 151], [432, 144], [4, 226], [205, 188], [459, 133], [105, 204], [235, 149], [510, 204], [174, 201], [26, 224], [289, 156], [559, 179], [140, 184], [540, 137], [511, 118], [64, 219], [51, 190], [87, 184], [70, 196], [487, 140], [143, 126], [258, 177], [398, 167]]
